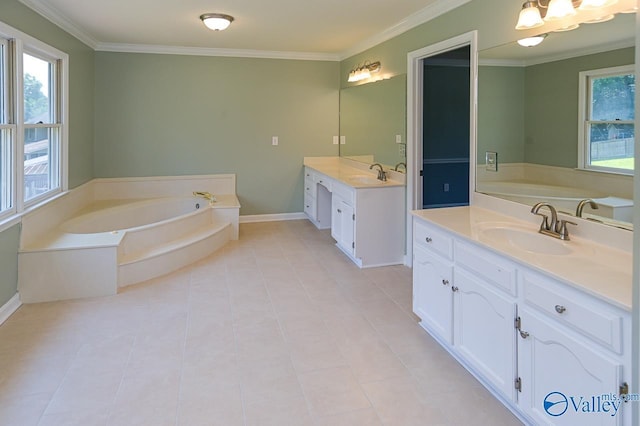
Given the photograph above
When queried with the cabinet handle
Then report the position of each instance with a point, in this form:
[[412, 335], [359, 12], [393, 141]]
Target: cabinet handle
[[339, 211], [445, 282], [454, 288], [428, 239], [320, 181], [560, 309]]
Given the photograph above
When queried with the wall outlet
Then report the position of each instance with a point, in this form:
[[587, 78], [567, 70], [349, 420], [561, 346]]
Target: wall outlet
[[491, 161], [398, 138], [445, 187], [402, 150], [274, 140], [343, 140], [336, 140]]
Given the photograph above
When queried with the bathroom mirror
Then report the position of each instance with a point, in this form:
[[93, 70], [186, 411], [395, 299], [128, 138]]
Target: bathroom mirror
[[528, 113], [373, 122]]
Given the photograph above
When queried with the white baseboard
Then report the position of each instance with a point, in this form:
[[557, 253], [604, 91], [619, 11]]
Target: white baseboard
[[271, 217], [9, 308]]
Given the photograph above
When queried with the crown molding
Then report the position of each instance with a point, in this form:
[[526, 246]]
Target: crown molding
[[56, 17], [582, 52], [439, 7], [209, 51]]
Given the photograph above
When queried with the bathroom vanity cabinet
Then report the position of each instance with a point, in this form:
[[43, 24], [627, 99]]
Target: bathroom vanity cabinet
[[524, 332], [366, 216]]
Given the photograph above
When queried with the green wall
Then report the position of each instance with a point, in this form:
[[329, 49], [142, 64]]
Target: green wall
[[551, 106], [178, 115], [501, 113], [81, 101]]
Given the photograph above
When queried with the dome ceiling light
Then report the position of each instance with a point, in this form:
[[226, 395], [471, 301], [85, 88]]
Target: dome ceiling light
[[217, 21]]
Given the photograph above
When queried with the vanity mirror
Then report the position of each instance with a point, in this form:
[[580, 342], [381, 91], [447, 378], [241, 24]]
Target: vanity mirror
[[373, 122], [529, 113]]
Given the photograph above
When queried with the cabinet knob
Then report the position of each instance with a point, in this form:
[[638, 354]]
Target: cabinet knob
[[445, 282], [428, 239], [524, 334], [454, 288], [320, 181], [339, 211], [560, 309]]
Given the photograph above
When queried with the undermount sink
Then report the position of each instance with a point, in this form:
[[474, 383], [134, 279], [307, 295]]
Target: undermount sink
[[365, 180], [525, 239]]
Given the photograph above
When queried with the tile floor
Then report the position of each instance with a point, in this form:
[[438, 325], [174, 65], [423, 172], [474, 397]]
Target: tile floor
[[278, 328]]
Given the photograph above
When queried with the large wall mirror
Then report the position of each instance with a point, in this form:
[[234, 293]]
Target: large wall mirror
[[529, 114], [373, 122]]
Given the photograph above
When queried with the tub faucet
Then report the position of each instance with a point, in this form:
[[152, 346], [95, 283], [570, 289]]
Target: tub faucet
[[205, 195], [382, 175], [553, 228], [583, 203]]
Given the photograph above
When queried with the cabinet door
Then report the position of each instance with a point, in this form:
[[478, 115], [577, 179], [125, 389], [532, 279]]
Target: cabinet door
[[342, 227], [484, 332], [432, 295], [565, 381]]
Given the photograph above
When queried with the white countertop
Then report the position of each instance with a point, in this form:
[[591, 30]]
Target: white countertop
[[347, 172], [597, 269]]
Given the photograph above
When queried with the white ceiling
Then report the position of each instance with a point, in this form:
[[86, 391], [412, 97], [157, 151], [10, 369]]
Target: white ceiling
[[327, 29]]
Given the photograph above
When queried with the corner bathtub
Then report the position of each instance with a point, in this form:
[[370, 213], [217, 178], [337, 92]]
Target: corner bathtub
[[113, 243], [564, 198]]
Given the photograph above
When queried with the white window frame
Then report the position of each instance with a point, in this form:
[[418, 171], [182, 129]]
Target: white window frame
[[584, 99], [20, 43]]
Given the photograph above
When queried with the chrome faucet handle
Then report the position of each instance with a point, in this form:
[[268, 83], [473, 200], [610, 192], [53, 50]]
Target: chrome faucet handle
[[562, 229]]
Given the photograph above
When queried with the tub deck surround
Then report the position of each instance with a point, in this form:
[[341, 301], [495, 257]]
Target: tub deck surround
[[602, 271], [102, 244]]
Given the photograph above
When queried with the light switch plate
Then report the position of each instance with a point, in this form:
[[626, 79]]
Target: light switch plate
[[491, 160]]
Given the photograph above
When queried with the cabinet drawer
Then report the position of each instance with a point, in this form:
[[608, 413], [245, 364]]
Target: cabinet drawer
[[310, 186], [342, 191], [490, 267], [432, 239], [592, 317], [310, 206]]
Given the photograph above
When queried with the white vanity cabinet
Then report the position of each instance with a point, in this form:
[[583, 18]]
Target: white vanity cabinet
[[553, 353], [450, 300], [366, 219]]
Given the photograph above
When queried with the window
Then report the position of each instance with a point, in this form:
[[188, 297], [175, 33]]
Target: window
[[607, 126], [33, 117]]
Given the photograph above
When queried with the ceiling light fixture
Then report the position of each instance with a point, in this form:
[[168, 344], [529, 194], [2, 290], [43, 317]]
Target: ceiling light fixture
[[216, 21], [363, 72], [532, 41], [535, 13]]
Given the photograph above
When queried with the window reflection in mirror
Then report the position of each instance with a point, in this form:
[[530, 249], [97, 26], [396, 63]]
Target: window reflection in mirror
[[529, 113]]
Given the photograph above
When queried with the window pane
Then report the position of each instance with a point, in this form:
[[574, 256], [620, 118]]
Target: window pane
[[40, 161], [611, 145], [6, 170], [612, 98], [38, 78]]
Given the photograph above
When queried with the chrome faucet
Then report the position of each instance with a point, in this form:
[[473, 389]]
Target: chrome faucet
[[584, 202], [395, 169], [553, 228], [205, 195], [382, 175]]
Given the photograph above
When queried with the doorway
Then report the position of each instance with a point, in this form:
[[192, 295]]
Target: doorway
[[441, 120]]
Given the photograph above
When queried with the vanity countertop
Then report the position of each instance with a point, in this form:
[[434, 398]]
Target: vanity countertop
[[600, 270], [350, 173]]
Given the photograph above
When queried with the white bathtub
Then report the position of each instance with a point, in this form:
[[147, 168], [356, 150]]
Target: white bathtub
[[113, 233], [564, 198], [114, 215]]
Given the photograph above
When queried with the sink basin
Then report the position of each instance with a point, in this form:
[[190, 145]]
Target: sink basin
[[525, 239], [365, 180]]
